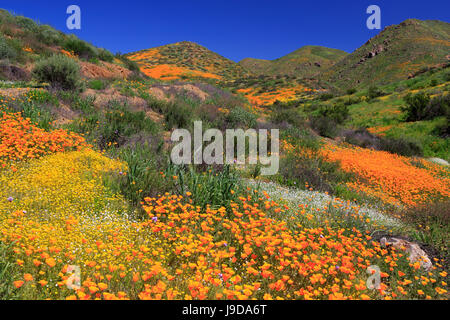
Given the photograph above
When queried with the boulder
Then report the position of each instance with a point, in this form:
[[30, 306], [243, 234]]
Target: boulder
[[415, 253]]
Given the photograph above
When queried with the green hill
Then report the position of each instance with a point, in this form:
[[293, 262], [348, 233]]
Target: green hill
[[304, 62], [396, 53]]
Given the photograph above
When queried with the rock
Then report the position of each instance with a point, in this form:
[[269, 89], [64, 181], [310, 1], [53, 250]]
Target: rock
[[416, 254], [317, 64]]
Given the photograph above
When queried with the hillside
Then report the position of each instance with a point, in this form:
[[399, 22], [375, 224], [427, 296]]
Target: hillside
[[23, 42], [394, 54], [304, 62], [186, 59]]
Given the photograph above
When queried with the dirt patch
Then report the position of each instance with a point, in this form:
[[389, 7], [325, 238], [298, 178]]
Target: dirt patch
[[168, 92], [104, 70], [154, 116], [158, 93], [15, 73], [64, 114], [103, 97]]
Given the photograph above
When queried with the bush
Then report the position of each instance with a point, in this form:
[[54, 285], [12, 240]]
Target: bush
[[60, 71], [351, 91], [6, 50], [81, 48], [326, 96], [49, 36], [374, 92], [105, 55], [421, 107], [290, 116], [364, 139], [178, 115], [238, 117], [324, 126], [26, 23]]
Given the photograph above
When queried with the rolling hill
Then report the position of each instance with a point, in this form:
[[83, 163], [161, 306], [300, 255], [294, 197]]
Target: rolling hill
[[304, 62], [186, 59], [396, 53]]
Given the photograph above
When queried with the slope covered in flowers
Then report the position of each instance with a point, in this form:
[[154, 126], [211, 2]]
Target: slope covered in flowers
[[21, 140], [56, 212], [392, 178]]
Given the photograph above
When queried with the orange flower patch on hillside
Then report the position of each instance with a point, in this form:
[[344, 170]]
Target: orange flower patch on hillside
[[265, 98], [21, 140], [392, 178], [380, 130], [172, 72]]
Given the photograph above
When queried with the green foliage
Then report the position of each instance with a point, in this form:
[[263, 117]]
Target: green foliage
[[374, 92], [60, 71], [238, 117], [6, 50], [325, 120], [298, 169], [97, 84], [50, 36], [143, 177], [433, 224], [401, 145], [105, 55], [287, 115], [421, 107], [81, 48], [351, 91], [26, 23], [214, 187], [8, 272], [178, 115], [129, 64]]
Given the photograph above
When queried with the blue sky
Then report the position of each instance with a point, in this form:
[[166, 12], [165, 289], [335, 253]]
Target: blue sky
[[236, 29]]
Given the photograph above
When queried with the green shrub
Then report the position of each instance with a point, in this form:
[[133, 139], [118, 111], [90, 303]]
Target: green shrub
[[290, 116], [49, 36], [26, 23], [374, 92], [421, 107], [178, 115], [81, 48], [105, 55], [326, 96], [238, 116], [6, 50], [401, 146], [324, 126], [351, 91], [363, 138], [59, 71]]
